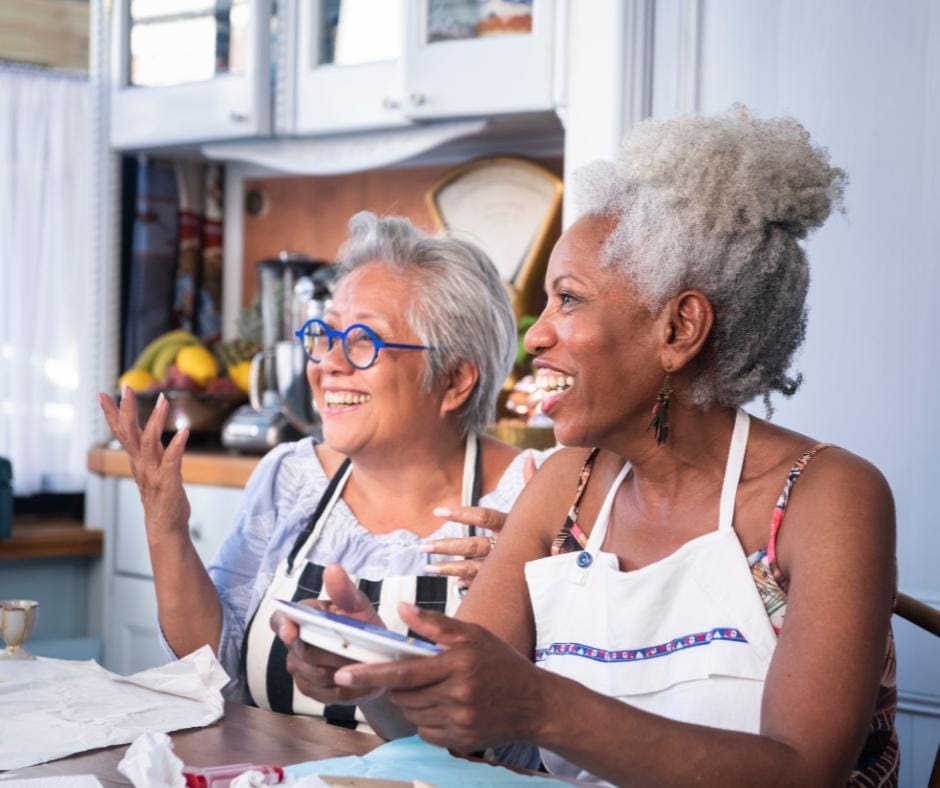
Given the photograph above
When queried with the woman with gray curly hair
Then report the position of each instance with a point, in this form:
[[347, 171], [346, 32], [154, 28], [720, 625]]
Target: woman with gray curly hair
[[715, 608], [405, 367]]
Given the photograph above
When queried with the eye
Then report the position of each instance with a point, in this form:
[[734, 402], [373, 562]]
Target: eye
[[567, 299]]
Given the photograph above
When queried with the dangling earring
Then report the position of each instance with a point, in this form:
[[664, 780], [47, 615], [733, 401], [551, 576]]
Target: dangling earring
[[660, 421]]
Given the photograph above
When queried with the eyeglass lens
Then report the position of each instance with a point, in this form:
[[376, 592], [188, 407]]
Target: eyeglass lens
[[358, 345]]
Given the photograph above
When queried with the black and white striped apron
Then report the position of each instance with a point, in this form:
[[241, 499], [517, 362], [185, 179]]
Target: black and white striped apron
[[264, 656]]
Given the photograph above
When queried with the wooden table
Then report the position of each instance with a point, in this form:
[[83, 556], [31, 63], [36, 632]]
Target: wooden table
[[37, 536], [243, 734]]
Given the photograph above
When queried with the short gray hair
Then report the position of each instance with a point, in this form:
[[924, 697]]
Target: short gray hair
[[459, 306], [720, 204]]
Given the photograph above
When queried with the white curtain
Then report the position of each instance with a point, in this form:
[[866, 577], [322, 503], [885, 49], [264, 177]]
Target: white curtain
[[47, 278]]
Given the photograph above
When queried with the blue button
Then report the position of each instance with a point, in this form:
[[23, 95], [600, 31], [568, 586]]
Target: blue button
[[584, 559]]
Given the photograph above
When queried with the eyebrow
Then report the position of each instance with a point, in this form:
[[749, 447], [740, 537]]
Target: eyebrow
[[559, 279]]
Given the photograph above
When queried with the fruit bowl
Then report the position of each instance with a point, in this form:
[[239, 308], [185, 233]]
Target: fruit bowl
[[201, 411]]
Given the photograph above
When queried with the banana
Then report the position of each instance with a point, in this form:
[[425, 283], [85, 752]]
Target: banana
[[149, 354], [166, 356]]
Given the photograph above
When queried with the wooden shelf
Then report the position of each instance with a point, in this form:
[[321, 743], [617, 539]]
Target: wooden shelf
[[35, 536], [218, 468]]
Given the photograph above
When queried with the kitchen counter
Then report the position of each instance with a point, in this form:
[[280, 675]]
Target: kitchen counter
[[36, 536], [199, 467]]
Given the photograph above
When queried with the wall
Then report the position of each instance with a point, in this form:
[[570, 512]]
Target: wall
[[864, 77]]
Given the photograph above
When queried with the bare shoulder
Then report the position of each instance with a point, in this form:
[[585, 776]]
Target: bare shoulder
[[546, 498]]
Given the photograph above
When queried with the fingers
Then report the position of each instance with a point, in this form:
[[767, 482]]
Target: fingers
[[479, 516], [466, 547], [173, 455], [465, 570], [313, 671], [129, 431], [151, 447], [284, 628], [529, 467], [346, 596]]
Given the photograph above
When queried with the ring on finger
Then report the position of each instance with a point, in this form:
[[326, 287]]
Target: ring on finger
[[492, 543]]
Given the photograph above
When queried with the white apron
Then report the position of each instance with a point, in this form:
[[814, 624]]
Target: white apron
[[687, 637], [264, 656]]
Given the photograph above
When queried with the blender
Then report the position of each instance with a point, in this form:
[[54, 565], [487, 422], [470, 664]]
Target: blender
[[292, 289]]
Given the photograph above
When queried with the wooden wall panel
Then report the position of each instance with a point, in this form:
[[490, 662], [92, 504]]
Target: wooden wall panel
[[45, 32], [309, 213]]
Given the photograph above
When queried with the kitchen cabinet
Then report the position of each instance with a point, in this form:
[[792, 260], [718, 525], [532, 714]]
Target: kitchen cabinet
[[367, 64], [185, 71], [131, 632]]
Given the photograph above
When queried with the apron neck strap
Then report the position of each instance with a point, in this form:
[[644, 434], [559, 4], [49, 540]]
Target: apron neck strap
[[729, 488], [327, 501], [472, 472]]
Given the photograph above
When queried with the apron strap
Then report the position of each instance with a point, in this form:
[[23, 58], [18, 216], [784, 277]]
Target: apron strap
[[729, 488], [333, 490]]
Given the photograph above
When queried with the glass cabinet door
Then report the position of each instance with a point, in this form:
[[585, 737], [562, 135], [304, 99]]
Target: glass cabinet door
[[478, 57], [345, 57], [186, 71]]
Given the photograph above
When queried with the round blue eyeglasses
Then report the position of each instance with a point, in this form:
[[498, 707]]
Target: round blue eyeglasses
[[361, 345]]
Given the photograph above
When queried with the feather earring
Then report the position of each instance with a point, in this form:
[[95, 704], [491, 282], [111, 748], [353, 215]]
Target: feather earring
[[660, 421]]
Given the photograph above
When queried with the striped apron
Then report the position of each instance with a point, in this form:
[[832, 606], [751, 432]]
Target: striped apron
[[264, 656]]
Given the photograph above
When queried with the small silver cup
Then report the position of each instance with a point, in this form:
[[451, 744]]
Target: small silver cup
[[17, 619]]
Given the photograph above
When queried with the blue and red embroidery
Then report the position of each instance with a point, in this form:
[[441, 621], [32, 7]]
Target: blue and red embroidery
[[726, 634]]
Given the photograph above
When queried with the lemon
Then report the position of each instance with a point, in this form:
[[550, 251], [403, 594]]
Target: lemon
[[136, 380], [198, 363], [240, 373]]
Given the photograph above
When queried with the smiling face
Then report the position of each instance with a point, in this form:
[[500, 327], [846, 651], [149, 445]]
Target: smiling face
[[383, 406], [596, 345]]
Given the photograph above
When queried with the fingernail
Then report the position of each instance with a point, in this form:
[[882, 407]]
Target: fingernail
[[343, 677], [432, 569], [160, 399], [124, 389], [442, 511], [426, 547]]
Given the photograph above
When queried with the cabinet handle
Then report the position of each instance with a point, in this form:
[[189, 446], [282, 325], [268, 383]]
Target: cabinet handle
[[390, 104], [239, 117], [418, 99], [195, 532]]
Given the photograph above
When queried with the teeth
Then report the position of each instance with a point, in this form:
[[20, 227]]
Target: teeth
[[345, 398], [554, 382]]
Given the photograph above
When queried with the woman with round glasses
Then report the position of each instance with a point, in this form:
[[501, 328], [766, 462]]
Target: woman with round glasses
[[405, 367]]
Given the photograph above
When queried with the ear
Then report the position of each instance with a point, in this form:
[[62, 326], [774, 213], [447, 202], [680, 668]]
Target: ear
[[459, 386], [687, 321]]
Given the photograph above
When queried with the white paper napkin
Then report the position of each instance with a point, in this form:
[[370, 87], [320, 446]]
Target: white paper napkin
[[52, 708]]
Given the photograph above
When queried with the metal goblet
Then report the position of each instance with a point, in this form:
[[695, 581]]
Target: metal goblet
[[17, 618]]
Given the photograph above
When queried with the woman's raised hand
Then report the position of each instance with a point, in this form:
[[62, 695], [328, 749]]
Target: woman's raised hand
[[157, 470], [312, 667], [471, 549]]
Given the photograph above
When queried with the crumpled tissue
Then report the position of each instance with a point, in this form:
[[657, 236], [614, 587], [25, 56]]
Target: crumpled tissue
[[53, 708], [150, 762]]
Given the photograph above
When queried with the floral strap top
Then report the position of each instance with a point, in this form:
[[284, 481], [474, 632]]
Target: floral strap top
[[879, 761]]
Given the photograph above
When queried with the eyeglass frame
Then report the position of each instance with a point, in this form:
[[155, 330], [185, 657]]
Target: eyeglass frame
[[333, 334]]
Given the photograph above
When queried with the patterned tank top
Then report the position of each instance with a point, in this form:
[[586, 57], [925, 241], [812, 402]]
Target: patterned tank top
[[879, 760]]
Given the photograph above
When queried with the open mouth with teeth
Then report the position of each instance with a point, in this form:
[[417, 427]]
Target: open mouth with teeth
[[339, 400], [552, 384]]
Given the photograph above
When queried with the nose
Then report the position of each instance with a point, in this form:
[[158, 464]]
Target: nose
[[335, 360], [540, 335]]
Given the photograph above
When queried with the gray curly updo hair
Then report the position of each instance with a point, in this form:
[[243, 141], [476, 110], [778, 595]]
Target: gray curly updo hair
[[720, 204], [459, 305]]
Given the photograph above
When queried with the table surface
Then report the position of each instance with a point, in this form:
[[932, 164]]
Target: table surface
[[245, 734]]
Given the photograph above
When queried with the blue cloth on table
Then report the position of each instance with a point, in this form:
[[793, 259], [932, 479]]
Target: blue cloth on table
[[415, 759]]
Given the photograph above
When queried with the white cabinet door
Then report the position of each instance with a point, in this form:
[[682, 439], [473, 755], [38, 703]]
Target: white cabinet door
[[213, 515], [344, 58], [132, 634], [478, 58], [185, 71]]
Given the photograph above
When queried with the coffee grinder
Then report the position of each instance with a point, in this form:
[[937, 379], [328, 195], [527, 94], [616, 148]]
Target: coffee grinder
[[292, 289]]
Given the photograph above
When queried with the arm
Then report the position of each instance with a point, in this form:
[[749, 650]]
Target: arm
[[839, 555], [189, 609]]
